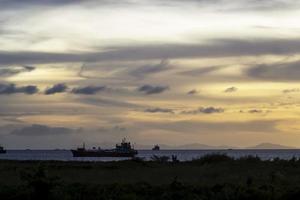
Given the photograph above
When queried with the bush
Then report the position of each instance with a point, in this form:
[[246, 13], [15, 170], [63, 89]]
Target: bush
[[161, 159], [39, 183], [250, 159], [213, 158]]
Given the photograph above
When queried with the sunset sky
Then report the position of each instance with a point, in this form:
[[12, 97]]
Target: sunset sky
[[215, 72]]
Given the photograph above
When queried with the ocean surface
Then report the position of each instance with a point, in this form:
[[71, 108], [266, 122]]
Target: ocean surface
[[182, 155]]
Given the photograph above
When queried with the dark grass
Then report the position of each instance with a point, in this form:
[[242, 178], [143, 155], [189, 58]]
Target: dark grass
[[215, 176]]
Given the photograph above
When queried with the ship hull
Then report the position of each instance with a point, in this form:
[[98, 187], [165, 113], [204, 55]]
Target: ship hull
[[77, 153]]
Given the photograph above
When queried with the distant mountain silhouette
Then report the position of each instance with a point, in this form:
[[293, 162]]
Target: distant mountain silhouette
[[270, 146], [196, 146], [185, 146]]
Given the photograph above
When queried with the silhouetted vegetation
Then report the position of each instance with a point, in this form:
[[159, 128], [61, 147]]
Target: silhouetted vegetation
[[212, 177], [161, 159], [213, 158]]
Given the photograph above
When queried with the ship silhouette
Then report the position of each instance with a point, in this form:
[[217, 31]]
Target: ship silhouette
[[156, 148], [125, 149], [2, 150]]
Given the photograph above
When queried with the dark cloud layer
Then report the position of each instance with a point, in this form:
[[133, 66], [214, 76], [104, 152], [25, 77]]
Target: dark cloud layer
[[217, 128], [13, 89], [204, 110], [58, 88], [221, 5], [215, 48], [149, 89], [276, 72], [88, 90], [41, 130], [24, 4]]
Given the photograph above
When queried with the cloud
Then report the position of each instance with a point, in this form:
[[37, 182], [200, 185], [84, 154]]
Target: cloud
[[58, 88], [204, 110], [231, 89], [109, 102], [119, 128], [29, 68], [201, 71], [81, 72], [260, 5], [151, 69], [88, 90], [15, 70], [220, 5], [159, 110], [212, 49], [20, 4], [149, 89], [255, 111], [41, 130], [12, 89], [291, 90], [192, 92], [218, 128], [289, 71], [242, 5]]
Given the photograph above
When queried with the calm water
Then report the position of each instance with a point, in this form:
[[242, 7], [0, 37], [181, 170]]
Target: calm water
[[65, 155]]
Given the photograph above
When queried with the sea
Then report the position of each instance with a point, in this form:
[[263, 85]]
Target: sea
[[182, 155]]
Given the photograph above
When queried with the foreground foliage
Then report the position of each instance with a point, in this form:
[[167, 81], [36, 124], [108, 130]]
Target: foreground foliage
[[212, 177]]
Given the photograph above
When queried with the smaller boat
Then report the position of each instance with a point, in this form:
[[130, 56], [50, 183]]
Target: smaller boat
[[156, 148], [2, 150]]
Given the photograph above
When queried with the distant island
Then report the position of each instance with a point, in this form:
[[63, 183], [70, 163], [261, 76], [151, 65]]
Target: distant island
[[194, 146], [270, 146]]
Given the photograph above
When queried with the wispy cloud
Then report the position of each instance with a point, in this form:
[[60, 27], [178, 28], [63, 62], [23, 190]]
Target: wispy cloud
[[145, 70], [291, 90], [88, 90], [201, 71], [192, 92], [159, 110], [231, 89], [149, 89], [10, 71], [204, 110], [212, 49]]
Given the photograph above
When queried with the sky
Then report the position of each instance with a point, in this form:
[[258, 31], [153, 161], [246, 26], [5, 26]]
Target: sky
[[215, 72]]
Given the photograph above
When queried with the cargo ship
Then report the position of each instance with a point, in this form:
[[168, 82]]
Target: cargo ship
[[2, 150], [124, 149]]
